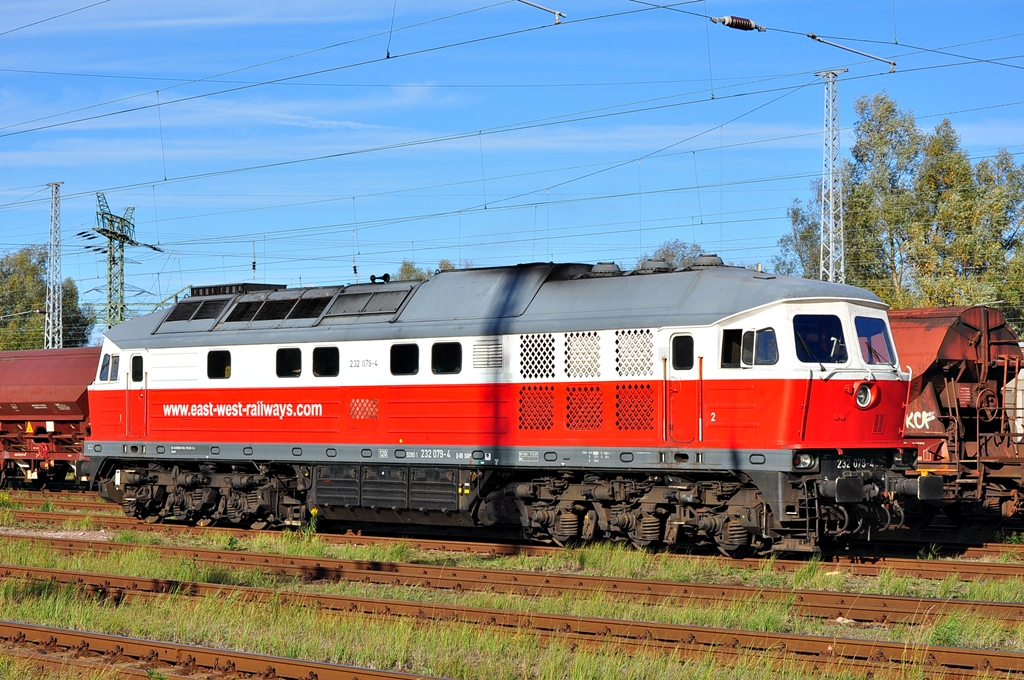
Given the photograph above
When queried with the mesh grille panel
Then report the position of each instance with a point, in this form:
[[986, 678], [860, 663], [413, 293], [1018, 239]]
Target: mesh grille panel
[[244, 311], [583, 408], [183, 311], [583, 355], [634, 353], [537, 355], [309, 308], [363, 409], [211, 309], [634, 407], [536, 407], [272, 310]]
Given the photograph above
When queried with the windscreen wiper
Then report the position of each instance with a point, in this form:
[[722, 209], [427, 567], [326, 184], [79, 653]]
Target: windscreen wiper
[[807, 349]]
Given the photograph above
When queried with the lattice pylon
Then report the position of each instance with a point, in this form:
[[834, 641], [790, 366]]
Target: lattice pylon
[[119, 230], [833, 241], [53, 336]]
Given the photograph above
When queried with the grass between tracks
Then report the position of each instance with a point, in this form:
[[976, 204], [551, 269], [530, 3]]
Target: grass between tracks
[[752, 614], [438, 648]]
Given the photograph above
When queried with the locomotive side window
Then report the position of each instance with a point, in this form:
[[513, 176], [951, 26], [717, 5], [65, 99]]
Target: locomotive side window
[[767, 350], [873, 338], [137, 372], [105, 368], [731, 341], [682, 352], [405, 359], [115, 366], [748, 348], [446, 357], [819, 339], [289, 362], [326, 362], [218, 364]]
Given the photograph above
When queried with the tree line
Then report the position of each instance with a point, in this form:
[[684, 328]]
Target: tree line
[[23, 299], [924, 225]]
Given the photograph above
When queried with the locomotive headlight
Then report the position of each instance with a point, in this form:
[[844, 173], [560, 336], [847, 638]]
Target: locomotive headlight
[[865, 395], [804, 461]]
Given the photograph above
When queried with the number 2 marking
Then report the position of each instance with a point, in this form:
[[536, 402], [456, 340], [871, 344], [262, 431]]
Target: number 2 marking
[[712, 416]]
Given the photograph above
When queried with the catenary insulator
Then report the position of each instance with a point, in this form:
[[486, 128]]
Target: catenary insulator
[[739, 23]]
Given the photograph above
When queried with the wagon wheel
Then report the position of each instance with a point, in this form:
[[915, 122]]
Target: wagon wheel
[[988, 406]]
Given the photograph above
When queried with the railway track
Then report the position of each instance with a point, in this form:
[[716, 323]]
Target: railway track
[[132, 657], [85, 505], [854, 564], [867, 608], [683, 640]]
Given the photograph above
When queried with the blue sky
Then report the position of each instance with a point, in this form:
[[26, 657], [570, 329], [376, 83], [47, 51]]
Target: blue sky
[[490, 136]]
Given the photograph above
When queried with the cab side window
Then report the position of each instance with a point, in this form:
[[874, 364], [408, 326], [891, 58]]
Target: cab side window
[[682, 352], [731, 343], [105, 368], [767, 351], [137, 372]]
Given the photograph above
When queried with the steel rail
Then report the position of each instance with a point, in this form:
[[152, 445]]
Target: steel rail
[[860, 607], [854, 564], [84, 505], [79, 667], [172, 658], [684, 640]]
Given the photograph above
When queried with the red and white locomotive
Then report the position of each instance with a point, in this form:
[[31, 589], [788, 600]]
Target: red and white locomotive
[[712, 404]]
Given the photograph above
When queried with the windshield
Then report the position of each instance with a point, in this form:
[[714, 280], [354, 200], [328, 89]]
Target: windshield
[[873, 339], [819, 339]]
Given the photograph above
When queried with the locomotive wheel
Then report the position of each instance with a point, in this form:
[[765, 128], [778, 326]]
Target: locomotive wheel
[[258, 526]]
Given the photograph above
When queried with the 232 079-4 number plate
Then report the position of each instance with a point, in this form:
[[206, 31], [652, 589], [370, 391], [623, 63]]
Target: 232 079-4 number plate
[[854, 464]]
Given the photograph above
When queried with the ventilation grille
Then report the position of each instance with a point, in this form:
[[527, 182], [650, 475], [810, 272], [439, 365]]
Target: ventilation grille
[[363, 409], [583, 355], [583, 408], [183, 311], [211, 309], [274, 310], [537, 355], [487, 354], [634, 353], [879, 424], [634, 407], [244, 311], [536, 407], [349, 303], [309, 308]]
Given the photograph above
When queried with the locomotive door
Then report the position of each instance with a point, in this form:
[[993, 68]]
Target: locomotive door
[[135, 398], [682, 390]]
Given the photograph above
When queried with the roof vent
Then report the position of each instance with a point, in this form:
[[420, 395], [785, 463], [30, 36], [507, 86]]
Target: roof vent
[[709, 260], [604, 269], [234, 289], [653, 266]]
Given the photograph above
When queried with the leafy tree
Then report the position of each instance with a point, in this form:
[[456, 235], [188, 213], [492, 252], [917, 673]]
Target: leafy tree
[[923, 226], [677, 253], [799, 251], [408, 271], [23, 289]]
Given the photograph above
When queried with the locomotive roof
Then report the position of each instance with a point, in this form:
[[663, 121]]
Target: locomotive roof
[[528, 298]]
